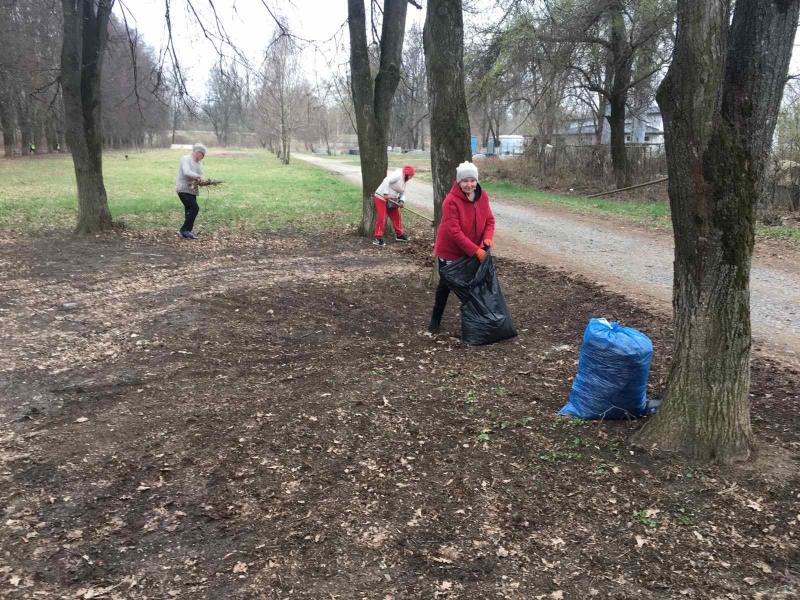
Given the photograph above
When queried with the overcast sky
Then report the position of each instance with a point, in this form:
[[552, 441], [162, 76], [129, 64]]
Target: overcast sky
[[250, 26]]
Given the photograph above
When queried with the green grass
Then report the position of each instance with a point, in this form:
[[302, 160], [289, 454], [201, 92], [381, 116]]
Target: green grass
[[649, 213], [259, 192], [791, 233], [652, 213]]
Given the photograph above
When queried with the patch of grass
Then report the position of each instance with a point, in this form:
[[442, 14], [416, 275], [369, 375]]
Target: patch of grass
[[259, 193], [471, 397], [649, 213], [558, 455], [652, 213], [792, 233], [343, 158]]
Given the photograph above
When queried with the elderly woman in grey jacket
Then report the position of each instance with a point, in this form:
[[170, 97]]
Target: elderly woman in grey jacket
[[190, 174]]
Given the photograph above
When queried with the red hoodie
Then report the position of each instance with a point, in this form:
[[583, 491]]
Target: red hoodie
[[464, 224]]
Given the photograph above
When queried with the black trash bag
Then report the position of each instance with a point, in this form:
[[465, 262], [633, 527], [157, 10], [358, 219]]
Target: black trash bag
[[485, 318]]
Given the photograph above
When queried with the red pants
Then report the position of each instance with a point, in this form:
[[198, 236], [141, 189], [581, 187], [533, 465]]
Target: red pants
[[394, 215]]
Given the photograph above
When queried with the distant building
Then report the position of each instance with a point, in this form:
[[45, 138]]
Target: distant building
[[507, 144], [645, 128]]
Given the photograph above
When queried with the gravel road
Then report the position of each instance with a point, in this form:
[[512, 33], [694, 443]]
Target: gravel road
[[629, 259]]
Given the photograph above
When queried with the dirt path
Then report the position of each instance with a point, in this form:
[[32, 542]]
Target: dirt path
[[630, 259]]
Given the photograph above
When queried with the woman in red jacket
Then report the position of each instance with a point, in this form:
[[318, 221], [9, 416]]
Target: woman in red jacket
[[467, 227]]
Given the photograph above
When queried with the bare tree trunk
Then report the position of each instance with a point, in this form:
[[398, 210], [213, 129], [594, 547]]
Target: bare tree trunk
[[24, 122], [372, 99], [720, 102], [175, 116], [450, 136], [85, 28], [40, 133], [50, 132], [619, 155], [7, 124], [622, 68]]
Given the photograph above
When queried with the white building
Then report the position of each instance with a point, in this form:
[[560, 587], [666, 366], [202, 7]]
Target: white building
[[644, 128]]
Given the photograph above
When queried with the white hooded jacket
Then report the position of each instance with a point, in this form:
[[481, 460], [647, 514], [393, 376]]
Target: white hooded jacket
[[394, 184]]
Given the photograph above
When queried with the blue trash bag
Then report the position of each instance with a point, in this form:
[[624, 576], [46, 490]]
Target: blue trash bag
[[485, 318], [612, 373]]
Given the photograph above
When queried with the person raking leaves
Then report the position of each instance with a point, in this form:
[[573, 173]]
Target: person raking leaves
[[190, 177], [388, 201], [467, 227]]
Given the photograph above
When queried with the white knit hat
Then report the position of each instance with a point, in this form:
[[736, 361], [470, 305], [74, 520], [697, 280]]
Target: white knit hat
[[200, 148], [466, 169]]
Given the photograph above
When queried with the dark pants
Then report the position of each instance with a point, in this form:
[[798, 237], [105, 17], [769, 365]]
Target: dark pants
[[192, 208], [442, 292]]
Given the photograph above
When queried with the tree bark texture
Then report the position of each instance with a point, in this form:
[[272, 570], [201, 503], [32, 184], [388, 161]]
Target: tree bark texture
[[372, 98], [443, 40], [24, 121], [621, 70], [7, 124], [720, 101], [85, 28]]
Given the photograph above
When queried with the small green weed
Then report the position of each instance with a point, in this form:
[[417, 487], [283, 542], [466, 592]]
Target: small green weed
[[683, 518], [646, 518], [556, 455], [604, 470]]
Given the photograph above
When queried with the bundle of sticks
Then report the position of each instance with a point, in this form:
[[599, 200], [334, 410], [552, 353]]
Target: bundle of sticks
[[208, 182]]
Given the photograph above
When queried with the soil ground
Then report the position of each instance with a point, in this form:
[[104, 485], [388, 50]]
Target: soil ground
[[262, 417], [625, 257]]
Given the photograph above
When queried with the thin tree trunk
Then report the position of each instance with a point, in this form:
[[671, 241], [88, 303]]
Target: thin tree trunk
[[443, 39], [50, 133], [7, 124], [720, 102], [24, 123], [175, 116], [372, 99], [40, 134], [85, 29]]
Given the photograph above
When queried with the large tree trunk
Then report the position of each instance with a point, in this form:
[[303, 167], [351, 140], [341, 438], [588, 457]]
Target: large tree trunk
[[718, 129], [85, 27], [372, 99], [444, 61]]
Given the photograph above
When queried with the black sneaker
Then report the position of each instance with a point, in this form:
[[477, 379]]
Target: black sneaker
[[378, 242], [189, 235], [401, 238]]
